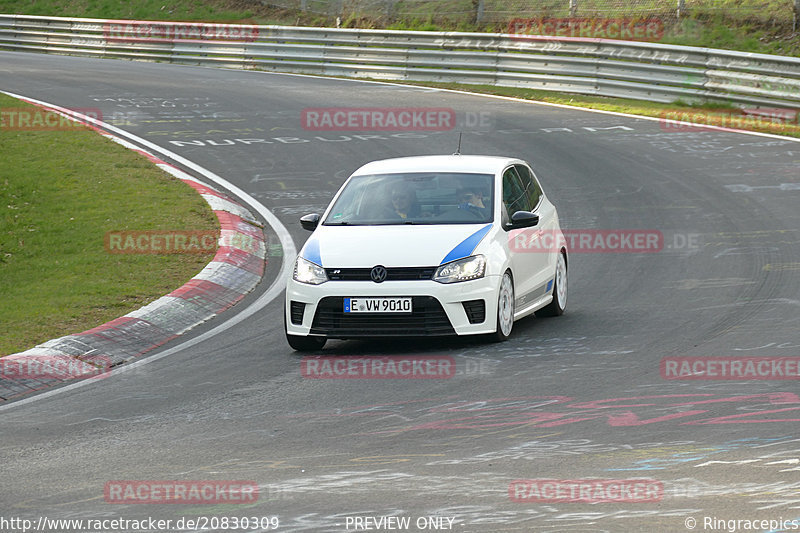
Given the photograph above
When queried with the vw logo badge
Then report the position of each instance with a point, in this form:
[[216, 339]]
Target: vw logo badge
[[378, 274]]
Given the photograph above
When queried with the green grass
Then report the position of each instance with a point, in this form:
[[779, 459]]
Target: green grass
[[60, 192], [763, 26], [126, 9], [710, 113]]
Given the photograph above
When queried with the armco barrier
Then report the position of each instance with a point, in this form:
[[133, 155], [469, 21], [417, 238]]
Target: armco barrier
[[643, 70]]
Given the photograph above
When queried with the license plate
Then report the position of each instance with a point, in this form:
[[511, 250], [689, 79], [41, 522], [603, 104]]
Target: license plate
[[377, 305]]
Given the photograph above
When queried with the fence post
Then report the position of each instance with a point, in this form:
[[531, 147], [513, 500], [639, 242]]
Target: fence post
[[335, 8], [573, 8], [682, 8], [478, 5], [303, 5], [796, 14]]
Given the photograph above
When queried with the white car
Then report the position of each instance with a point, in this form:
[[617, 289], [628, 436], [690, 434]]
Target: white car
[[428, 245]]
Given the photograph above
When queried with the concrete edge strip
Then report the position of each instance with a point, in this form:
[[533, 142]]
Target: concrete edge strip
[[235, 270]]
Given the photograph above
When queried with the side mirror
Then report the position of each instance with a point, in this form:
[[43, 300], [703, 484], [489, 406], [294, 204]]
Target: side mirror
[[310, 222], [524, 219]]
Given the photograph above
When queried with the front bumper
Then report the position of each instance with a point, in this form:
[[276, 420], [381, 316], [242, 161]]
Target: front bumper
[[437, 308]]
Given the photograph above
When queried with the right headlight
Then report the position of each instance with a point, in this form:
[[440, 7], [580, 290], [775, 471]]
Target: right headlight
[[462, 270], [307, 272]]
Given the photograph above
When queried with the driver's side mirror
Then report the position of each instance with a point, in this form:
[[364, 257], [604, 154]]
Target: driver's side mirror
[[310, 222], [524, 219]]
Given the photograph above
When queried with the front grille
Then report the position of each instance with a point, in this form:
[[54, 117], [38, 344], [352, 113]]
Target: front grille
[[476, 311], [296, 310], [426, 318], [393, 273]]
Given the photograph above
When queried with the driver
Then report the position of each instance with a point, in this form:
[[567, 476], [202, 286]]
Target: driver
[[403, 200], [471, 198]]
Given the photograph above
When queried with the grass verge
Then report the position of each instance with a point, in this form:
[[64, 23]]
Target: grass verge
[[706, 114], [60, 192], [762, 26]]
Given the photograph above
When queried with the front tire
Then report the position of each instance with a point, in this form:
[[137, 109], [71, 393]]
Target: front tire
[[505, 309], [559, 303]]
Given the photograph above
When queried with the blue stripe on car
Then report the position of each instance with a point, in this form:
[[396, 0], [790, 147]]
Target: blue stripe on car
[[466, 247], [311, 252], [549, 286]]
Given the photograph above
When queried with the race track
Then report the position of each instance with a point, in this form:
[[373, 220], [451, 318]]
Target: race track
[[569, 398]]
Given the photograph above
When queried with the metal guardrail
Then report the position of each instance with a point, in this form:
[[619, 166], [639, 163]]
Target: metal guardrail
[[647, 71]]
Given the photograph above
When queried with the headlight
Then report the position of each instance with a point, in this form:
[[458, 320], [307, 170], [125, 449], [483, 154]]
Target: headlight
[[308, 272], [462, 270]]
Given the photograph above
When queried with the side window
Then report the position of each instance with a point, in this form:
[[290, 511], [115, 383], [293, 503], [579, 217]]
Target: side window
[[532, 189], [514, 197]]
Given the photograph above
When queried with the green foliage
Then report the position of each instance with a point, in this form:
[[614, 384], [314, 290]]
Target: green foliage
[[747, 25], [60, 192]]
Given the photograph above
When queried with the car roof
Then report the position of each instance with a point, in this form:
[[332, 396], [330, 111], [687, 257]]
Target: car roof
[[480, 164]]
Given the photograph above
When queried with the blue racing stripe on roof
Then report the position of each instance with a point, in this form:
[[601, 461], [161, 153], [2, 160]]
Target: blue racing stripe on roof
[[465, 247], [311, 252]]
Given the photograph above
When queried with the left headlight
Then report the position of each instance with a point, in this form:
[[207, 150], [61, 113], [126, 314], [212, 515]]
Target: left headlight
[[307, 272], [462, 270]]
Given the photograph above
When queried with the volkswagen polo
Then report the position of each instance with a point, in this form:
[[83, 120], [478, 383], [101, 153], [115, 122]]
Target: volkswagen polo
[[428, 245]]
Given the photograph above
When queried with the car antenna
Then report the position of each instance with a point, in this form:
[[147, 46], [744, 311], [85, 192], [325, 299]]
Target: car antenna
[[458, 150]]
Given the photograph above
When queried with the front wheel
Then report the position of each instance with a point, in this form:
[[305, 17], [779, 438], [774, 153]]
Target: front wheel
[[505, 309], [559, 303]]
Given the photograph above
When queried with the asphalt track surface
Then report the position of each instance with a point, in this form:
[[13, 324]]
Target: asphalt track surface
[[569, 398]]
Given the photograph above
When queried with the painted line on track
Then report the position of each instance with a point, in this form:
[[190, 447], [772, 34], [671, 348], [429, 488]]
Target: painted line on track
[[286, 241], [524, 101], [277, 286]]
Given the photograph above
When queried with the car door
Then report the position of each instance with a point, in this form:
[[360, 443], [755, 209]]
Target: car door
[[523, 264], [533, 247]]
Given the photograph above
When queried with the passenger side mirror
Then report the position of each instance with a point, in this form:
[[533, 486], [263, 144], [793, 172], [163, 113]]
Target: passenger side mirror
[[310, 222], [524, 219]]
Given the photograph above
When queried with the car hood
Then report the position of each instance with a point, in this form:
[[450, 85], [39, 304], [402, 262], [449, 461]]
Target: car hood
[[392, 246]]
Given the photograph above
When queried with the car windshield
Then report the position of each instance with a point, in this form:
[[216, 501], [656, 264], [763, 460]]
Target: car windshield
[[414, 198]]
